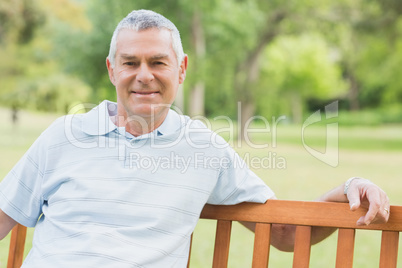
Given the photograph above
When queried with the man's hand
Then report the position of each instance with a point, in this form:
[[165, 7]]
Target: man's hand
[[362, 192]]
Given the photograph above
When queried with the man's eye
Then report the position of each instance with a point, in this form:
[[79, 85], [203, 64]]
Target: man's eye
[[129, 63], [159, 63]]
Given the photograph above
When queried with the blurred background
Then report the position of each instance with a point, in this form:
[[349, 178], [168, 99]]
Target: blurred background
[[276, 57], [273, 58]]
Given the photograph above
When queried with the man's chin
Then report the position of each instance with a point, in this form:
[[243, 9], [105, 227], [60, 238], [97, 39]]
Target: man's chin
[[149, 113]]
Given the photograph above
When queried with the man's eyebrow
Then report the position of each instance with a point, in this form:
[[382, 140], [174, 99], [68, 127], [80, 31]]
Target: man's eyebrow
[[128, 56], [159, 56], [154, 57]]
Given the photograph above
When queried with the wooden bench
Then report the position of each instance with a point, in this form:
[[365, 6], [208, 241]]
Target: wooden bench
[[302, 214]]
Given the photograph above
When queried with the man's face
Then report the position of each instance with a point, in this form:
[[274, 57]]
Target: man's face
[[146, 73]]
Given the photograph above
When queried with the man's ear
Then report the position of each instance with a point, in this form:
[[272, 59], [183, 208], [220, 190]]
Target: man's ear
[[110, 71], [183, 69]]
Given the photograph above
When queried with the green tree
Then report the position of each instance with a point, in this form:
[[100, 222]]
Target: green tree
[[18, 22], [245, 29], [297, 68], [366, 34], [31, 75]]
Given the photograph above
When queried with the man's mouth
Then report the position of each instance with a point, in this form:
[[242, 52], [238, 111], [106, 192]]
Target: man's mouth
[[145, 92]]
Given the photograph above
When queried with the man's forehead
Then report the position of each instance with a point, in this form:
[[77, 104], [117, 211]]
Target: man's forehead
[[156, 41]]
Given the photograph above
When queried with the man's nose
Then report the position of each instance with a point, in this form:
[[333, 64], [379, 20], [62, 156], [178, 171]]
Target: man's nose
[[144, 74]]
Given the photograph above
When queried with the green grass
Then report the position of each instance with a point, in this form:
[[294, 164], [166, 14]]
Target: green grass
[[373, 152]]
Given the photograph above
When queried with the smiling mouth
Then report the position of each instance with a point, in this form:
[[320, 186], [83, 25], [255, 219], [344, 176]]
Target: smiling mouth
[[145, 92]]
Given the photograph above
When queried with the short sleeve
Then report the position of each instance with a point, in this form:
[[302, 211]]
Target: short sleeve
[[20, 190], [237, 184]]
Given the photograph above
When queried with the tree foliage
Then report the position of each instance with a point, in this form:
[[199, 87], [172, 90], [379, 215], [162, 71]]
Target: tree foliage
[[18, 20], [31, 75], [299, 68]]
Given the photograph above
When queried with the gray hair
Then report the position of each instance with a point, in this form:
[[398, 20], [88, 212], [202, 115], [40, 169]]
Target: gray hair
[[139, 20]]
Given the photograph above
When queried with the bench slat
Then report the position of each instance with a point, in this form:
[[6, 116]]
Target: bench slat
[[301, 213], [17, 245], [222, 243], [345, 248], [301, 255], [389, 249], [262, 243]]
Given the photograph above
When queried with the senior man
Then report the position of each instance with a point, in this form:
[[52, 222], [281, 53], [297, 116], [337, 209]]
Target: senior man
[[94, 203]]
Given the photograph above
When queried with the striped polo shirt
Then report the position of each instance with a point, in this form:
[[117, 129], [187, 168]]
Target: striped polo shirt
[[100, 197]]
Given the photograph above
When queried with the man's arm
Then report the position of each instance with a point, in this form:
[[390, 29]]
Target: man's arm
[[361, 192], [6, 224]]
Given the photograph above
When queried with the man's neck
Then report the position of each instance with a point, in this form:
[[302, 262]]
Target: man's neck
[[139, 125]]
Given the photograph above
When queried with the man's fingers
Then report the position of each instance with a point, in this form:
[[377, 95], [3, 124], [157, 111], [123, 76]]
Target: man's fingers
[[381, 216], [376, 199], [363, 193], [354, 205], [361, 221], [372, 213], [378, 209], [354, 199]]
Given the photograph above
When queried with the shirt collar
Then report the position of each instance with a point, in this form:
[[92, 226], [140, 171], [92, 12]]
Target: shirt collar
[[171, 124], [97, 121]]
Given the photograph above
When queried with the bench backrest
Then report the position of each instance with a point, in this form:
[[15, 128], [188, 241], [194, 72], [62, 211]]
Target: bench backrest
[[300, 213], [304, 215]]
